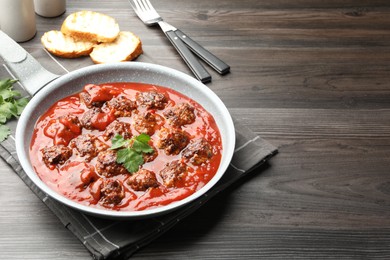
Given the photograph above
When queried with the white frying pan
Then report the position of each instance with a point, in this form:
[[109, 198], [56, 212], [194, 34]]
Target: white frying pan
[[46, 88]]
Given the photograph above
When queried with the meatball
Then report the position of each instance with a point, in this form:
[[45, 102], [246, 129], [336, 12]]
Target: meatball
[[57, 154], [112, 192], [198, 151], [173, 172], [151, 100], [149, 157], [97, 95], [172, 140], [181, 114], [122, 106], [86, 119], [95, 118], [117, 127], [142, 180], [87, 100], [146, 123], [71, 122], [107, 166], [88, 146]]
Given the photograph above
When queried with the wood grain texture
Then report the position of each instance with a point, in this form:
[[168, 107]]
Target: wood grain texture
[[310, 76]]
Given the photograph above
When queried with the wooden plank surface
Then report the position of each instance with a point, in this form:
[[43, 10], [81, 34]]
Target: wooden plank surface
[[310, 76]]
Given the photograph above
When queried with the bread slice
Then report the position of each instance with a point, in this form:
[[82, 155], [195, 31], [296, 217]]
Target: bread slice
[[90, 26], [65, 46], [126, 47]]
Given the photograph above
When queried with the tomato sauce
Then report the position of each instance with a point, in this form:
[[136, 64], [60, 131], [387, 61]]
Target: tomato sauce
[[77, 178]]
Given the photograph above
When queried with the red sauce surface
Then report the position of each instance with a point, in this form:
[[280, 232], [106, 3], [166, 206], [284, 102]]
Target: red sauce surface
[[77, 178]]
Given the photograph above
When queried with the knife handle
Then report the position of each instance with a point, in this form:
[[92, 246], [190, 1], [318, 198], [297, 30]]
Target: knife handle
[[217, 64], [196, 67]]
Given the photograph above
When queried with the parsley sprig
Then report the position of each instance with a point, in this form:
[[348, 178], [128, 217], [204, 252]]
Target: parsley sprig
[[10, 105], [131, 151]]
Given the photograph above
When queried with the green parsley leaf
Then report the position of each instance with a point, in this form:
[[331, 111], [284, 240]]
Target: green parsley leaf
[[144, 138], [20, 104], [4, 132], [6, 90], [3, 119], [118, 141], [141, 145], [10, 105], [8, 109], [130, 159], [131, 154]]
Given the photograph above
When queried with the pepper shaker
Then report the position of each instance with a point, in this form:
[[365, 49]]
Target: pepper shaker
[[50, 8], [17, 19]]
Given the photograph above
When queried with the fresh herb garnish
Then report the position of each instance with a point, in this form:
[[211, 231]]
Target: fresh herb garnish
[[10, 105], [132, 150]]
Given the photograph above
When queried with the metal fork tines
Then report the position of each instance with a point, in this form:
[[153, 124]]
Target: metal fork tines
[[146, 12]]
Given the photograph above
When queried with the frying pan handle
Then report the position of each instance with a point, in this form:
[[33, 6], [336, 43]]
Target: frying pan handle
[[23, 66]]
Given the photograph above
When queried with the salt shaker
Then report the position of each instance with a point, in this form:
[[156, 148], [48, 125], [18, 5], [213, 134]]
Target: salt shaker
[[50, 8], [17, 19]]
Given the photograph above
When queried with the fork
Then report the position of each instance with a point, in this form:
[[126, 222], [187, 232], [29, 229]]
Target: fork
[[146, 12]]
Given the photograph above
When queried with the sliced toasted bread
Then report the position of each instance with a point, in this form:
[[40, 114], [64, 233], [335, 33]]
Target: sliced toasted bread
[[90, 26], [65, 46], [126, 47]]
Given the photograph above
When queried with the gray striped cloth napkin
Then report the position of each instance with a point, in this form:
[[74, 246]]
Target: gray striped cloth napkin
[[109, 239]]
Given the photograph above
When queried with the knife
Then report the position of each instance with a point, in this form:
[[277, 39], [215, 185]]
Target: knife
[[212, 60]]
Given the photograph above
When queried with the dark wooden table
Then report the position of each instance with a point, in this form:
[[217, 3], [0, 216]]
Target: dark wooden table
[[310, 76]]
